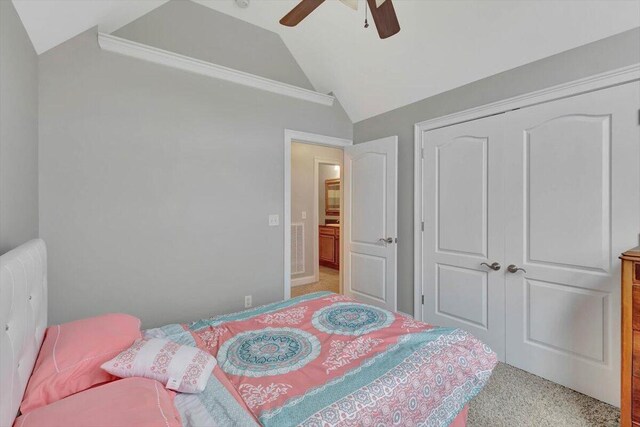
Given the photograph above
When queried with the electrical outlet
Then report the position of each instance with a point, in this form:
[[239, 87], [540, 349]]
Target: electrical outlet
[[304, 214], [274, 220], [247, 301]]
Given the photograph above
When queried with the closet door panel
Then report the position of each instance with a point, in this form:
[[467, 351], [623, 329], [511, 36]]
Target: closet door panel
[[462, 196], [573, 192], [461, 186], [567, 191]]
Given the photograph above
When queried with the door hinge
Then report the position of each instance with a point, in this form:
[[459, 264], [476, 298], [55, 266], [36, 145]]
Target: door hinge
[[422, 299], [422, 153], [422, 226]]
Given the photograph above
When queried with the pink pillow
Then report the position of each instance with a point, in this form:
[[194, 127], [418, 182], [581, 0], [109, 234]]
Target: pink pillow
[[180, 367], [71, 355], [136, 402]]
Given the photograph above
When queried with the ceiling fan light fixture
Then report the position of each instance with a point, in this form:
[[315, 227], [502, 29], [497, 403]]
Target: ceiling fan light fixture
[[242, 4], [353, 4]]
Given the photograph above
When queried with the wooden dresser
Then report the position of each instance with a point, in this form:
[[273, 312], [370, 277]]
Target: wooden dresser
[[630, 381], [329, 240]]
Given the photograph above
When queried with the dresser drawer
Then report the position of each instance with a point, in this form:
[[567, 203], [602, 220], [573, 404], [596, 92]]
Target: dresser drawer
[[636, 272], [636, 307], [635, 361], [635, 400]]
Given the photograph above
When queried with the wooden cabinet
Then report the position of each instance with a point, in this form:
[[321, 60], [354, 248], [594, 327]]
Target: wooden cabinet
[[630, 381], [329, 241]]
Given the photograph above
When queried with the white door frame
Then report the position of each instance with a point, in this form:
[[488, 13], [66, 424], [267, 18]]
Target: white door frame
[[291, 136], [572, 88]]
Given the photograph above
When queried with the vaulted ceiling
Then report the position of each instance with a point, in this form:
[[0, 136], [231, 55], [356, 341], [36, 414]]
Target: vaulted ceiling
[[443, 44]]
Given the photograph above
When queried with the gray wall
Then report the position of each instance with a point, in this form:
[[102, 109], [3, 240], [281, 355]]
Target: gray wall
[[18, 132], [190, 29], [302, 179], [156, 184], [607, 54]]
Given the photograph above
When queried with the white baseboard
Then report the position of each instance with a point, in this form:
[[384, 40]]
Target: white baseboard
[[303, 281]]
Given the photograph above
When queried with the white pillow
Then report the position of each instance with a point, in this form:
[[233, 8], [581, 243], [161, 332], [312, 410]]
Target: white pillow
[[179, 367]]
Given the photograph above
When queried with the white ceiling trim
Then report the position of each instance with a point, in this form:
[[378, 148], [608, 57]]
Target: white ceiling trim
[[181, 62]]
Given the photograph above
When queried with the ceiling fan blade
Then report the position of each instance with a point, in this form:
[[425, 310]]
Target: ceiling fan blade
[[385, 18], [298, 13]]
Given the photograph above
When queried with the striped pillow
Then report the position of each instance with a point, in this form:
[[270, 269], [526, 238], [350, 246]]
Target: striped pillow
[[179, 367]]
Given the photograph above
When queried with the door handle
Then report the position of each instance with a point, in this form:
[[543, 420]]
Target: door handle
[[495, 266], [514, 269], [387, 240]]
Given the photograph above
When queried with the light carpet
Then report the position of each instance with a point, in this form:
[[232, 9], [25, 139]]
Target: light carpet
[[514, 397], [329, 281]]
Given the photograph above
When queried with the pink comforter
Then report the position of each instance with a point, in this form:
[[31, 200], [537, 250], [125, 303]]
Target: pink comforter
[[324, 359]]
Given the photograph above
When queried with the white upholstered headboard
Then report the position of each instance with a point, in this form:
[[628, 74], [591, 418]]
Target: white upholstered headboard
[[23, 320]]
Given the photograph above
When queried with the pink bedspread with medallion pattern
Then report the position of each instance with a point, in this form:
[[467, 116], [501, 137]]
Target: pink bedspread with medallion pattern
[[324, 359]]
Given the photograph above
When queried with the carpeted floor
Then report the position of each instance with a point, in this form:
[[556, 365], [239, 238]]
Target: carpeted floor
[[329, 281], [514, 397]]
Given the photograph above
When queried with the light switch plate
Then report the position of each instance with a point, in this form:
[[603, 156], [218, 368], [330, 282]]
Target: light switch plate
[[274, 220], [304, 214]]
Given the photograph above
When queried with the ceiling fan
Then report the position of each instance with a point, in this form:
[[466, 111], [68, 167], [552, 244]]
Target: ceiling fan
[[384, 15]]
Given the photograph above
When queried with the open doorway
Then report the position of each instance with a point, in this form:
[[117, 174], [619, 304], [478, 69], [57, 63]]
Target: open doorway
[[316, 198], [314, 220], [368, 216]]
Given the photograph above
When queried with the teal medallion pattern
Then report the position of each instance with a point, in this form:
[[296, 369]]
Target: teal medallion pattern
[[348, 318], [269, 351]]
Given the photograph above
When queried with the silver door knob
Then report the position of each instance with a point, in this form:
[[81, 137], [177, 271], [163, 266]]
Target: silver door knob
[[387, 240], [514, 269], [495, 266]]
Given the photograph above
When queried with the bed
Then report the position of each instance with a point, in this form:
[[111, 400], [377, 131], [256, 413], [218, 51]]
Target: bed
[[325, 359], [317, 360]]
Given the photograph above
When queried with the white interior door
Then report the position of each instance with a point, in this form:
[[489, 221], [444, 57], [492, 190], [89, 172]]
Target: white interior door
[[463, 230], [370, 209], [573, 193]]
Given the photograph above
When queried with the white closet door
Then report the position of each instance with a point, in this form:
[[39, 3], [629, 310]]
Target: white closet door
[[462, 208], [572, 205]]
